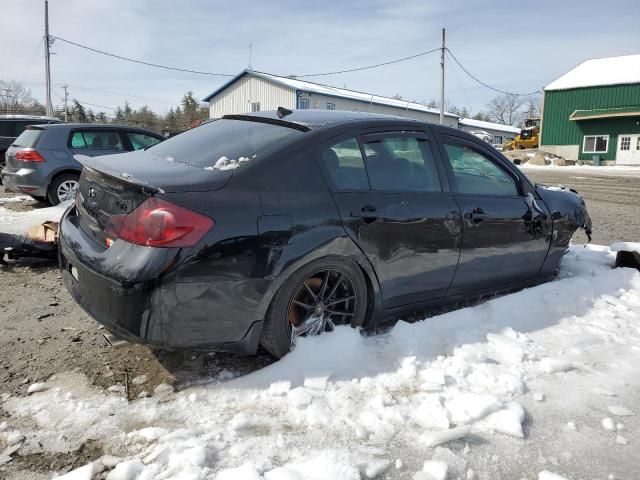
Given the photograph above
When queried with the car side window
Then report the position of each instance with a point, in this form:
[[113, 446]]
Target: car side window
[[402, 163], [140, 140], [345, 165], [476, 173], [96, 140]]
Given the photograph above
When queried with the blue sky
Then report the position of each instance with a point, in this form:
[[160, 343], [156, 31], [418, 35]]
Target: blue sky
[[516, 46]]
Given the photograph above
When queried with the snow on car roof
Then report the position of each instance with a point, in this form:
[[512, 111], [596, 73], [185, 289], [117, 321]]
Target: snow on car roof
[[469, 122], [620, 70], [332, 91]]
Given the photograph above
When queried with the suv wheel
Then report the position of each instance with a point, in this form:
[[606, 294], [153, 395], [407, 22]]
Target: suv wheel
[[327, 292], [63, 188]]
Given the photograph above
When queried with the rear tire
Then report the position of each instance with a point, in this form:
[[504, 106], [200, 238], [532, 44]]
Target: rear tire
[[280, 319], [62, 188]]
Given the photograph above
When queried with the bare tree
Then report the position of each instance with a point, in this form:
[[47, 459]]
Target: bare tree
[[532, 107], [16, 98], [506, 109]]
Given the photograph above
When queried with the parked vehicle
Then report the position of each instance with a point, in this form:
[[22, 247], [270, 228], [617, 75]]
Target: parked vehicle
[[267, 227], [11, 126], [41, 163]]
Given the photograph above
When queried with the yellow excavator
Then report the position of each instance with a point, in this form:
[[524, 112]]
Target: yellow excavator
[[529, 136]]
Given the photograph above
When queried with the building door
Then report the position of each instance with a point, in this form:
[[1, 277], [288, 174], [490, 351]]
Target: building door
[[628, 150]]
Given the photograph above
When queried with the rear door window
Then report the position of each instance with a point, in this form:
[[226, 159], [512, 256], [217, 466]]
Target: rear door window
[[345, 165], [96, 140], [140, 141], [476, 173], [401, 163]]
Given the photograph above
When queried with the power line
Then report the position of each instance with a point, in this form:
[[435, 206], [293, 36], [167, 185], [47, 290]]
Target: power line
[[126, 95], [461, 87], [149, 64], [32, 60], [398, 60], [486, 85]]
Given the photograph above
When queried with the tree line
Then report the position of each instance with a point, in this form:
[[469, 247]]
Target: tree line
[[15, 98]]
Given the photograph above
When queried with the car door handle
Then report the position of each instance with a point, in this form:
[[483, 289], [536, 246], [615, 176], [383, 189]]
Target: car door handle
[[368, 213], [476, 215]]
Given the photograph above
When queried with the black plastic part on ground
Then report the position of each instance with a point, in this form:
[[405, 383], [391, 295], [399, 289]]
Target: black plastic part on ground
[[628, 259], [15, 247]]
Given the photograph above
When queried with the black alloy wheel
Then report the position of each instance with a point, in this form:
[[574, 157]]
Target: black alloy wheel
[[326, 298], [313, 300]]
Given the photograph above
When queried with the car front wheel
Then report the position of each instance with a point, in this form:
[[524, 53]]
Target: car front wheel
[[327, 292], [62, 188]]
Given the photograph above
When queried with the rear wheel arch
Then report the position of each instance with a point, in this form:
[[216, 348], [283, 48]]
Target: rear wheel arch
[[55, 177]]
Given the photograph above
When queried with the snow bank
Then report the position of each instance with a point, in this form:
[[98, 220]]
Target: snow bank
[[346, 406], [20, 222], [614, 170]]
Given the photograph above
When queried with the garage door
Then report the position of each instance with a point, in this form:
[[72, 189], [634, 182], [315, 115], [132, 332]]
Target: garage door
[[628, 150]]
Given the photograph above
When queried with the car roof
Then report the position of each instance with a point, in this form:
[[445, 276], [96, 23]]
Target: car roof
[[315, 118], [93, 126], [29, 117]]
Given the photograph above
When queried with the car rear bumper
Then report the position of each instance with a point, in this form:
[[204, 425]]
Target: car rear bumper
[[24, 180], [153, 309]]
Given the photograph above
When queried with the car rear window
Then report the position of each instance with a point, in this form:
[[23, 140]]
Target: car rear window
[[223, 144], [28, 138]]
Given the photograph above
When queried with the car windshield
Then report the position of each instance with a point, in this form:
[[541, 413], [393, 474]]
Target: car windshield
[[28, 138], [223, 144]]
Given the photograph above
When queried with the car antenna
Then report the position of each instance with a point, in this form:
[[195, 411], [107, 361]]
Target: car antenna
[[283, 112]]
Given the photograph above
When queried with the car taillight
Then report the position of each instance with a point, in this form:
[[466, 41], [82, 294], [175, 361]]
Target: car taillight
[[159, 223], [28, 155]]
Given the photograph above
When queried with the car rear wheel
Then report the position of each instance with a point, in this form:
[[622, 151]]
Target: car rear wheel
[[63, 188], [316, 298]]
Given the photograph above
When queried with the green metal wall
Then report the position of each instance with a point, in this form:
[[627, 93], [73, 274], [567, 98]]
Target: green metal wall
[[557, 129]]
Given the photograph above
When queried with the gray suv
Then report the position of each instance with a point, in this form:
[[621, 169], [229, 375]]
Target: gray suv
[[11, 126], [40, 161]]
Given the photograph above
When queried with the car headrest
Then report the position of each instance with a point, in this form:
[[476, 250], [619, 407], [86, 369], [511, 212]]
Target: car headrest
[[331, 159], [96, 142]]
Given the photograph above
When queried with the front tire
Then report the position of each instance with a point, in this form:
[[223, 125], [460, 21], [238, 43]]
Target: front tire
[[326, 292], [63, 188]]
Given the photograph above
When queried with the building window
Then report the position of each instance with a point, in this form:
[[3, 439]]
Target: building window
[[497, 139], [625, 143], [304, 103], [595, 144], [255, 106], [331, 106]]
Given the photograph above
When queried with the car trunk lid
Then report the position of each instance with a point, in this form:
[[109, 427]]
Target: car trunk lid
[[117, 184]]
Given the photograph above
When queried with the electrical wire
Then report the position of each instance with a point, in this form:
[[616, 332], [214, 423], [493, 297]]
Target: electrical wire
[[486, 85], [460, 86], [398, 60], [149, 64], [32, 60]]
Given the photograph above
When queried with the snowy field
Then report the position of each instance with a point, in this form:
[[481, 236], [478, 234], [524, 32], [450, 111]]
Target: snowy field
[[614, 170], [541, 384]]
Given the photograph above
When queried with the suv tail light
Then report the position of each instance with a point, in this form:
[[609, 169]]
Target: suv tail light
[[159, 223], [28, 155]]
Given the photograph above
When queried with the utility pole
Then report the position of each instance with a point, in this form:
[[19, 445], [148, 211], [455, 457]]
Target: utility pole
[[66, 95], [47, 70], [442, 80]]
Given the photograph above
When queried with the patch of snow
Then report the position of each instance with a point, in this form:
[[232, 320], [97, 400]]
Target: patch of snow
[[432, 470], [140, 380], [82, 473], [547, 475], [16, 199], [20, 222], [608, 424], [620, 411], [36, 387]]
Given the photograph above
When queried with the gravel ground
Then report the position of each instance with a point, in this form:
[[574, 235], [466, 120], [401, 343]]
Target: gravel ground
[[43, 332]]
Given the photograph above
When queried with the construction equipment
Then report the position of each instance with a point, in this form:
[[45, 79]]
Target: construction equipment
[[529, 136]]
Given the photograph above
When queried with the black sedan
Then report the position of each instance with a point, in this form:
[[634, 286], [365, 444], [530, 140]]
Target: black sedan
[[275, 225]]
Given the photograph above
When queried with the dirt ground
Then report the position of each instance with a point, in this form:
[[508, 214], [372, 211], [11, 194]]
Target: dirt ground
[[43, 332]]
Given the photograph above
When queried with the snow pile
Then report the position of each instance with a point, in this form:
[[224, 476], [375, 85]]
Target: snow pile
[[613, 170], [20, 222], [224, 163], [347, 407], [16, 199]]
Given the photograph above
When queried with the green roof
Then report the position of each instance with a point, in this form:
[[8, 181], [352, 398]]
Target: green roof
[[606, 113]]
